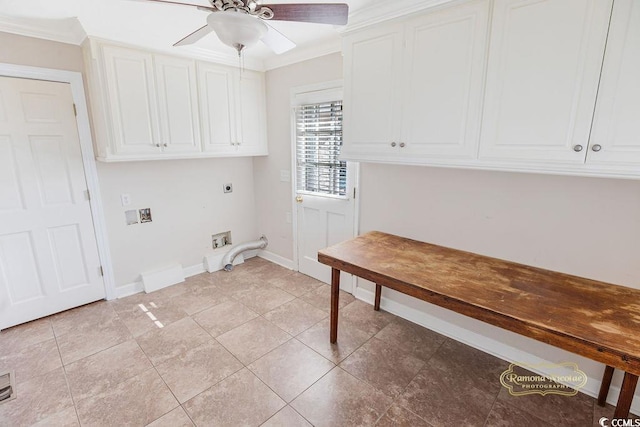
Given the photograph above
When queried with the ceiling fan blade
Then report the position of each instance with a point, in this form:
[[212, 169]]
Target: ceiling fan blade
[[195, 36], [319, 13], [276, 41], [205, 8]]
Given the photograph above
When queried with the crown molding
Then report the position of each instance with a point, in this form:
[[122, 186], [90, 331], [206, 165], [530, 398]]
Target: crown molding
[[67, 30], [381, 11], [303, 53]]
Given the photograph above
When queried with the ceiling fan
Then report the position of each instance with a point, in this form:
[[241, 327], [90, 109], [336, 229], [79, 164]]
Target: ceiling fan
[[241, 23]]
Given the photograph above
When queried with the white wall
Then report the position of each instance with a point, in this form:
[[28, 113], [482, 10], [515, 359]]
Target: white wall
[[273, 197], [39, 53], [187, 206]]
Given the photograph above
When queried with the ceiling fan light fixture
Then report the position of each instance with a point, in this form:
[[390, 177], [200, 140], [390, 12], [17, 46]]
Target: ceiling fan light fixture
[[237, 29]]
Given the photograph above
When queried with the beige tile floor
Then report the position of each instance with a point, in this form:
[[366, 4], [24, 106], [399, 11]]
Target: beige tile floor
[[251, 348]]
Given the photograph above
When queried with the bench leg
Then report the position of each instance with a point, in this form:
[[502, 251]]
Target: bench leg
[[376, 305], [626, 395], [606, 384], [335, 296]]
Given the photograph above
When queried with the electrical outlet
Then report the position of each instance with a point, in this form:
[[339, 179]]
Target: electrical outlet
[[227, 188], [125, 198], [288, 217], [145, 215], [285, 175]]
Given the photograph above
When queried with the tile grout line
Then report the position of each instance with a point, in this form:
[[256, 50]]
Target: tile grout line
[[66, 379], [395, 399]]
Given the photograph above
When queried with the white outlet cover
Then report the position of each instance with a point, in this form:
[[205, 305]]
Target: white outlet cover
[[125, 198], [288, 217]]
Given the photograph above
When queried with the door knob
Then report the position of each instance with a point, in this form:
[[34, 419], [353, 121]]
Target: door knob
[[577, 148], [596, 147], [299, 199], [393, 144]]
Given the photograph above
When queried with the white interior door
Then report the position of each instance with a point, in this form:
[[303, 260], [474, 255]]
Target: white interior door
[[325, 202], [48, 253]]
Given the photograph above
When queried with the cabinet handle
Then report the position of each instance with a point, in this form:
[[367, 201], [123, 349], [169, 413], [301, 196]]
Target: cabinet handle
[[596, 147], [393, 144], [165, 144], [402, 145], [158, 145], [577, 148]]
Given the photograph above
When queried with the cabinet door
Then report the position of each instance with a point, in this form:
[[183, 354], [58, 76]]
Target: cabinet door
[[372, 72], [542, 78], [616, 126], [217, 108], [444, 80], [132, 101], [178, 105], [251, 122]]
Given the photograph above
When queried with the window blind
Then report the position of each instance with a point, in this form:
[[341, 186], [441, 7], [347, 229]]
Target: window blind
[[318, 142]]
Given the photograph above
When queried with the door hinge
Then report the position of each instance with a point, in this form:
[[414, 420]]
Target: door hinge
[[101, 271], [354, 192], [87, 195], [75, 110]]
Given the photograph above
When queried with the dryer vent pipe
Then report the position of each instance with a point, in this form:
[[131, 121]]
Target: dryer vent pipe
[[227, 261]]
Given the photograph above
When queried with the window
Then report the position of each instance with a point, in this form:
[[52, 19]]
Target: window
[[318, 143]]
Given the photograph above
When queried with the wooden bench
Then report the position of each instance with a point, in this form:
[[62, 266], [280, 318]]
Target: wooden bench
[[596, 320]]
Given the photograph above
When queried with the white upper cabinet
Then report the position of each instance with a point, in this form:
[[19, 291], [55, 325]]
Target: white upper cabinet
[[542, 79], [251, 120], [545, 86], [413, 89], [373, 75], [443, 82], [148, 107], [615, 137], [217, 107], [178, 105], [233, 109], [132, 101]]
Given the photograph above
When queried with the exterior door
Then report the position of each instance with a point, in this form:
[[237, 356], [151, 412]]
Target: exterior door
[[48, 252], [325, 202]]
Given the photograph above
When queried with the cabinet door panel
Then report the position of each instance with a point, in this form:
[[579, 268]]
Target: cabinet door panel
[[616, 125], [132, 100], [251, 120], [178, 105], [442, 99], [373, 66], [542, 78], [217, 109]]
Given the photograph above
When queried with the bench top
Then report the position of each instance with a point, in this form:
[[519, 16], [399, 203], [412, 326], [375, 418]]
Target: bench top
[[597, 320]]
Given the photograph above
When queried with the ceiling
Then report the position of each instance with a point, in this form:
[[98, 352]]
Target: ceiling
[[158, 26]]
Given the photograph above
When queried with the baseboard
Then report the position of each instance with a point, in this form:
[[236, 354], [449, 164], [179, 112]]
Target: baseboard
[[276, 259], [482, 342], [194, 270], [129, 289]]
